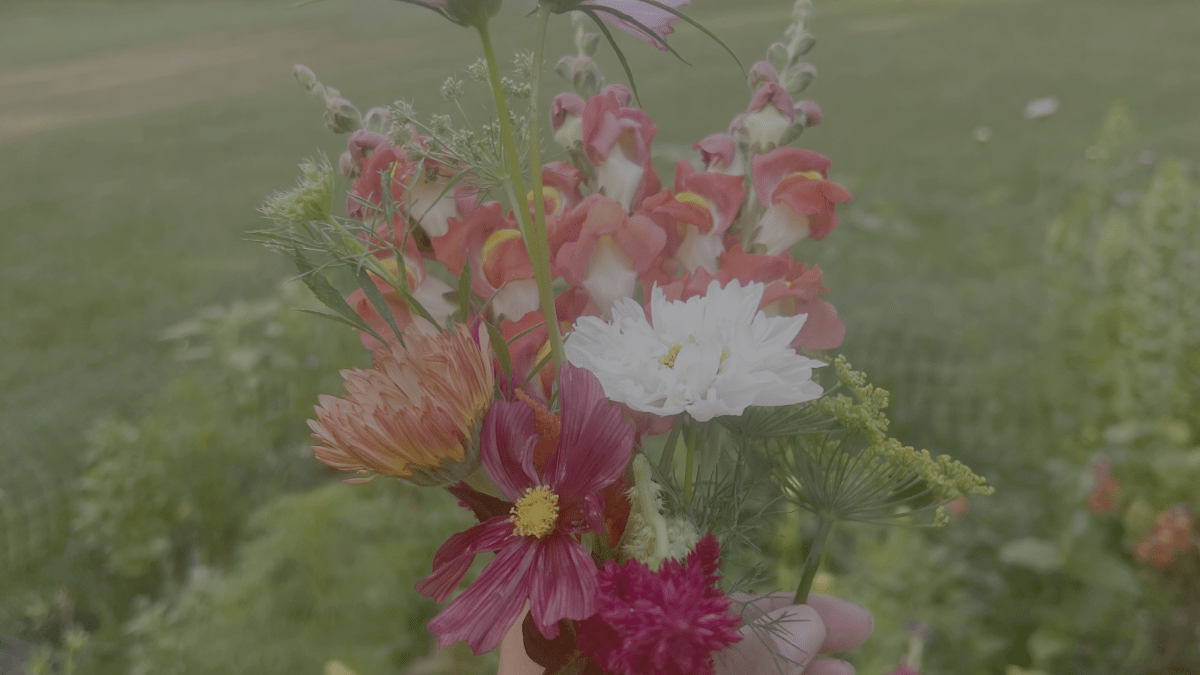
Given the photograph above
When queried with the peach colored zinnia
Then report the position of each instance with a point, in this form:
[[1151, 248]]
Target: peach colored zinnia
[[416, 414]]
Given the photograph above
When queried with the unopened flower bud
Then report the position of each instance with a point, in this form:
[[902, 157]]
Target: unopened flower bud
[[797, 78], [810, 112], [305, 76], [762, 73], [803, 44], [378, 120], [778, 56], [341, 116]]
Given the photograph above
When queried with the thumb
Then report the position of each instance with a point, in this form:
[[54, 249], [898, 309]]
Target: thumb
[[783, 641]]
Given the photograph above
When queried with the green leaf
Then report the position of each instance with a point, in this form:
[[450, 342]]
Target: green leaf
[[620, 55], [1033, 554], [700, 27], [328, 295], [372, 291], [501, 349], [464, 292]]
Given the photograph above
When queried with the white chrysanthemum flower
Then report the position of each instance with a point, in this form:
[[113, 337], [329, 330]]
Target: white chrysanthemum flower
[[712, 355]]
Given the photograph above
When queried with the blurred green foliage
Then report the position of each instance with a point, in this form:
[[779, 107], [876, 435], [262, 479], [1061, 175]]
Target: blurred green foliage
[[1099, 390]]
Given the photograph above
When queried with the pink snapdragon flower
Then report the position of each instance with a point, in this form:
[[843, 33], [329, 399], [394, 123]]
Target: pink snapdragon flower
[[668, 622], [696, 216], [606, 249], [794, 186], [719, 153], [538, 559], [616, 139]]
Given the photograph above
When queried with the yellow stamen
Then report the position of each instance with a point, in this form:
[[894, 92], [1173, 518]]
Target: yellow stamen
[[551, 197], [668, 359], [535, 514], [811, 175]]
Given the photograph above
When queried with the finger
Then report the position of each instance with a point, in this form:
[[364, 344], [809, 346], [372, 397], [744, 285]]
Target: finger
[[513, 660], [847, 625], [829, 667], [784, 640]]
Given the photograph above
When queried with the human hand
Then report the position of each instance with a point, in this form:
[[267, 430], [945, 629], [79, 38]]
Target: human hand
[[778, 638]]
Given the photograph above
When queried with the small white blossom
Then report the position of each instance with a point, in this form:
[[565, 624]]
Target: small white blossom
[[711, 355]]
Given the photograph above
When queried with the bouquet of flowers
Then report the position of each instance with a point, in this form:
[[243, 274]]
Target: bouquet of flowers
[[604, 369]]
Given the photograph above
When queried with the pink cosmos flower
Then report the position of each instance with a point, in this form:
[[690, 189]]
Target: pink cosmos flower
[[667, 622], [416, 414], [551, 469], [656, 19]]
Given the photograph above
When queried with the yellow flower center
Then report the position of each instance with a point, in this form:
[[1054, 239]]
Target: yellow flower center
[[692, 198], [494, 242], [668, 359], [535, 514]]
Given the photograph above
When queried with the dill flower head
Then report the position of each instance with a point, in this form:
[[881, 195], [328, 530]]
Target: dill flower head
[[416, 415], [668, 622], [710, 355], [857, 472]]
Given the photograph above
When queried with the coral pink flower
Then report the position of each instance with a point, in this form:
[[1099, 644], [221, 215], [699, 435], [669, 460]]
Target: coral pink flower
[[427, 290], [719, 153], [667, 622], [791, 288], [792, 184], [697, 215], [767, 120], [617, 142], [1170, 535], [416, 414], [538, 558], [607, 249], [418, 192]]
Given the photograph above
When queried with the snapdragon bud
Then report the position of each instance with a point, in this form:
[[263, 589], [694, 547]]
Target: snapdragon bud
[[583, 74], [797, 78], [810, 112], [762, 73], [342, 116], [378, 120]]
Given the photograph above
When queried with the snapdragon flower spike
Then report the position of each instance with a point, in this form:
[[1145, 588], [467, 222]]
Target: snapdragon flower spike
[[793, 185], [609, 250], [719, 153], [552, 470], [696, 216], [617, 139]]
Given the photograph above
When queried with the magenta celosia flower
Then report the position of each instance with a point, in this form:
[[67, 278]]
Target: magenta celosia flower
[[668, 622], [553, 497]]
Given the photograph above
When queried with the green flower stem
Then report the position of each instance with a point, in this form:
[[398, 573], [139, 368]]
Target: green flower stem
[[536, 241], [813, 561], [689, 463]]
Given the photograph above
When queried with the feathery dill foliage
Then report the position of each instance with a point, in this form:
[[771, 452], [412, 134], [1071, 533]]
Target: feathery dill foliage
[[854, 471]]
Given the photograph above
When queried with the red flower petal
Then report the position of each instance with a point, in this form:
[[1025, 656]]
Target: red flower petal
[[564, 586], [456, 555], [489, 607], [506, 444]]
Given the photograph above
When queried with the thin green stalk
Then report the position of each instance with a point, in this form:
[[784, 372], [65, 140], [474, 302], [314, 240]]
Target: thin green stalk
[[667, 461], [535, 236], [689, 463], [541, 264], [813, 561]]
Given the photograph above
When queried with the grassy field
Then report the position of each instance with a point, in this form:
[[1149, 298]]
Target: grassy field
[[138, 137]]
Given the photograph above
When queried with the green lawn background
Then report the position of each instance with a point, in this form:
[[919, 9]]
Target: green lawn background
[[137, 138]]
